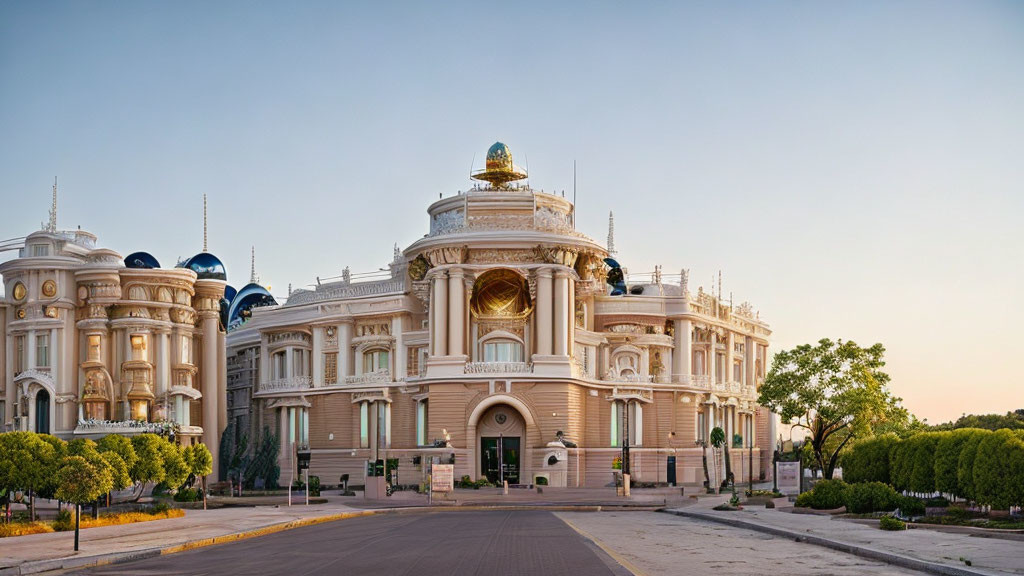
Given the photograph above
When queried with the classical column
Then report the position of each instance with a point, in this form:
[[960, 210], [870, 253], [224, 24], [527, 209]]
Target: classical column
[[163, 364], [346, 357], [683, 354], [543, 312], [211, 431], [55, 359], [645, 362], [456, 313], [439, 304], [264, 374], [562, 313], [317, 360], [730, 346], [222, 380], [401, 355], [712, 358], [749, 347]]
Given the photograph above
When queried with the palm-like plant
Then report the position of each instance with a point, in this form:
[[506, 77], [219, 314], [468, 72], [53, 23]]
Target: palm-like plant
[[718, 442], [703, 443]]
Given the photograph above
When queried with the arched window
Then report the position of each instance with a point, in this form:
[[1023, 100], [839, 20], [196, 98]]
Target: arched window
[[376, 360], [501, 346]]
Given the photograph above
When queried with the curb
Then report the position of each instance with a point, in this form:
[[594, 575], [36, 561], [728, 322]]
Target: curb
[[856, 550], [79, 562]]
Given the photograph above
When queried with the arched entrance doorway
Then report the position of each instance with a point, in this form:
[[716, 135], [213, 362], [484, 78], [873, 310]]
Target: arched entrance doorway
[[501, 437], [42, 412]]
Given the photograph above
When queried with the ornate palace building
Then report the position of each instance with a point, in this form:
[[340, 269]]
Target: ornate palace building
[[95, 344], [505, 337]]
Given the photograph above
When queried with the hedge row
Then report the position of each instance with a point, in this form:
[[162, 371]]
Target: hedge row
[[860, 498], [979, 465]]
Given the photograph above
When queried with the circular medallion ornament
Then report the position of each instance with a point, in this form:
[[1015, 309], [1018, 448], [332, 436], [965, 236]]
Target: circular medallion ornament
[[49, 288], [19, 291], [21, 314], [500, 418]]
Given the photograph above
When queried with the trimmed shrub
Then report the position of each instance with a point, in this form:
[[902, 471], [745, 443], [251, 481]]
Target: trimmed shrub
[[188, 495], [65, 521], [891, 523], [947, 457], [826, 495], [922, 472], [911, 506], [996, 481], [866, 497], [965, 464], [868, 459]]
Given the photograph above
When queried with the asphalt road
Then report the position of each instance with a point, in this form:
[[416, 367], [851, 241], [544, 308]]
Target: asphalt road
[[481, 542]]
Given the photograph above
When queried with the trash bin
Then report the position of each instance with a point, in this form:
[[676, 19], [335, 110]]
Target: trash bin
[[670, 473]]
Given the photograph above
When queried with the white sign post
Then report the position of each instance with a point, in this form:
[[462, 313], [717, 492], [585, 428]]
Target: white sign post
[[442, 478], [788, 474]]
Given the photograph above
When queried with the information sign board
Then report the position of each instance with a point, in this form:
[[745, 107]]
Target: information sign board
[[442, 478]]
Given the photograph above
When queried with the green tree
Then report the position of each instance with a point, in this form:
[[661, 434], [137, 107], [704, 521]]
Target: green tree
[[79, 481], [837, 391], [947, 458], [718, 442], [149, 463], [48, 488], [118, 470], [703, 443], [1012, 420], [965, 465], [868, 459], [176, 470], [121, 446], [200, 462], [922, 473], [995, 479], [30, 462]]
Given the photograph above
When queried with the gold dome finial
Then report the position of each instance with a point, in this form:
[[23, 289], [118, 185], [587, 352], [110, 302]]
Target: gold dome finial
[[500, 170]]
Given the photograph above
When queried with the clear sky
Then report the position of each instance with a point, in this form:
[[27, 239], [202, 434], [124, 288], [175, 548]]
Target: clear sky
[[854, 169]]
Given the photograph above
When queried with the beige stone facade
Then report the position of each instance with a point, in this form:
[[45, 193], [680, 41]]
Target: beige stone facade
[[496, 338], [95, 344]]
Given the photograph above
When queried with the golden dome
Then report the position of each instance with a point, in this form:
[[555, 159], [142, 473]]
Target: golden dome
[[500, 170]]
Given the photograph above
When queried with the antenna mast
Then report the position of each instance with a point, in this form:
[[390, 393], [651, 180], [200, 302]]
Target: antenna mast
[[204, 224]]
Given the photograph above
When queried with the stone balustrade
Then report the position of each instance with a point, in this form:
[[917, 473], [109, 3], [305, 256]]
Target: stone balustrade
[[286, 384], [378, 377]]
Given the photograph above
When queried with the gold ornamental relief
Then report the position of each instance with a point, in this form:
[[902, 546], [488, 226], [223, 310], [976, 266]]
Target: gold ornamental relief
[[49, 289], [500, 294], [19, 291]]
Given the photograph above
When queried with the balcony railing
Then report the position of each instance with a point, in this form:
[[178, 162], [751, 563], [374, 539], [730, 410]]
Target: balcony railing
[[498, 368], [379, 377], [286, 384]]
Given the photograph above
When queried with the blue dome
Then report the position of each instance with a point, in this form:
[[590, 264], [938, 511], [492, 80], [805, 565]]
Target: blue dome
[[249, 297], [229, 293], [140, 260], [207, 267]]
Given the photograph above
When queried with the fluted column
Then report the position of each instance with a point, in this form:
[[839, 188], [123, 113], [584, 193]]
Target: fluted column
[[749, 348], [561, 313], [543, 312], [222, 381], [456, 313], [439, 304], [210, 399]]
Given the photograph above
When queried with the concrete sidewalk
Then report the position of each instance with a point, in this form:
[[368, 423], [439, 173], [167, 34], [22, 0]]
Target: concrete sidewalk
[[54, 551], [919, 549]]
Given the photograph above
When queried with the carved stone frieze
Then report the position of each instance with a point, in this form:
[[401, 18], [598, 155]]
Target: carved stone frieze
[[447, 255], [493, 256], [563, 255]]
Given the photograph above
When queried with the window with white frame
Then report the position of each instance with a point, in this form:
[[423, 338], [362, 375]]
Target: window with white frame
[[40, 250], [279, 365], [503, 350], [702, 425], [375, 360], [20, 361], [421, 422], [364, 424], [43, 351], [627, 413]]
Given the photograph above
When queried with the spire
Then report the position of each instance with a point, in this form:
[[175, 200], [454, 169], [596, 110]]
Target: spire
[[204, 224], [252, 270], [52, 226], [611, 234]]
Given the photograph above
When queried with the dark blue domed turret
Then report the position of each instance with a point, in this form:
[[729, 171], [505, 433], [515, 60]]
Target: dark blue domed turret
[[250, 296], [140, 260], [207, 267], [229, 292]]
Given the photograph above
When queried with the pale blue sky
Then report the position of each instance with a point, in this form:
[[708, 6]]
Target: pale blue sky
[[854, 169]]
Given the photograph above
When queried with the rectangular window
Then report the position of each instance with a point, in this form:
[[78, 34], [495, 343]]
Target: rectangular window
[[364, 424], [616, 409], [331, 368], [702, 425], [503, 351], [636, 423], [186, 350], [412, 362], [43, 351], [375, 361], [383, 426], [279, 366], [737, 372], [40, 250], [421, 423], [19, 355]]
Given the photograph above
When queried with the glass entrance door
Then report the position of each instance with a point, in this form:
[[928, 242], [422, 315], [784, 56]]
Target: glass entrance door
[[499, 458]]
